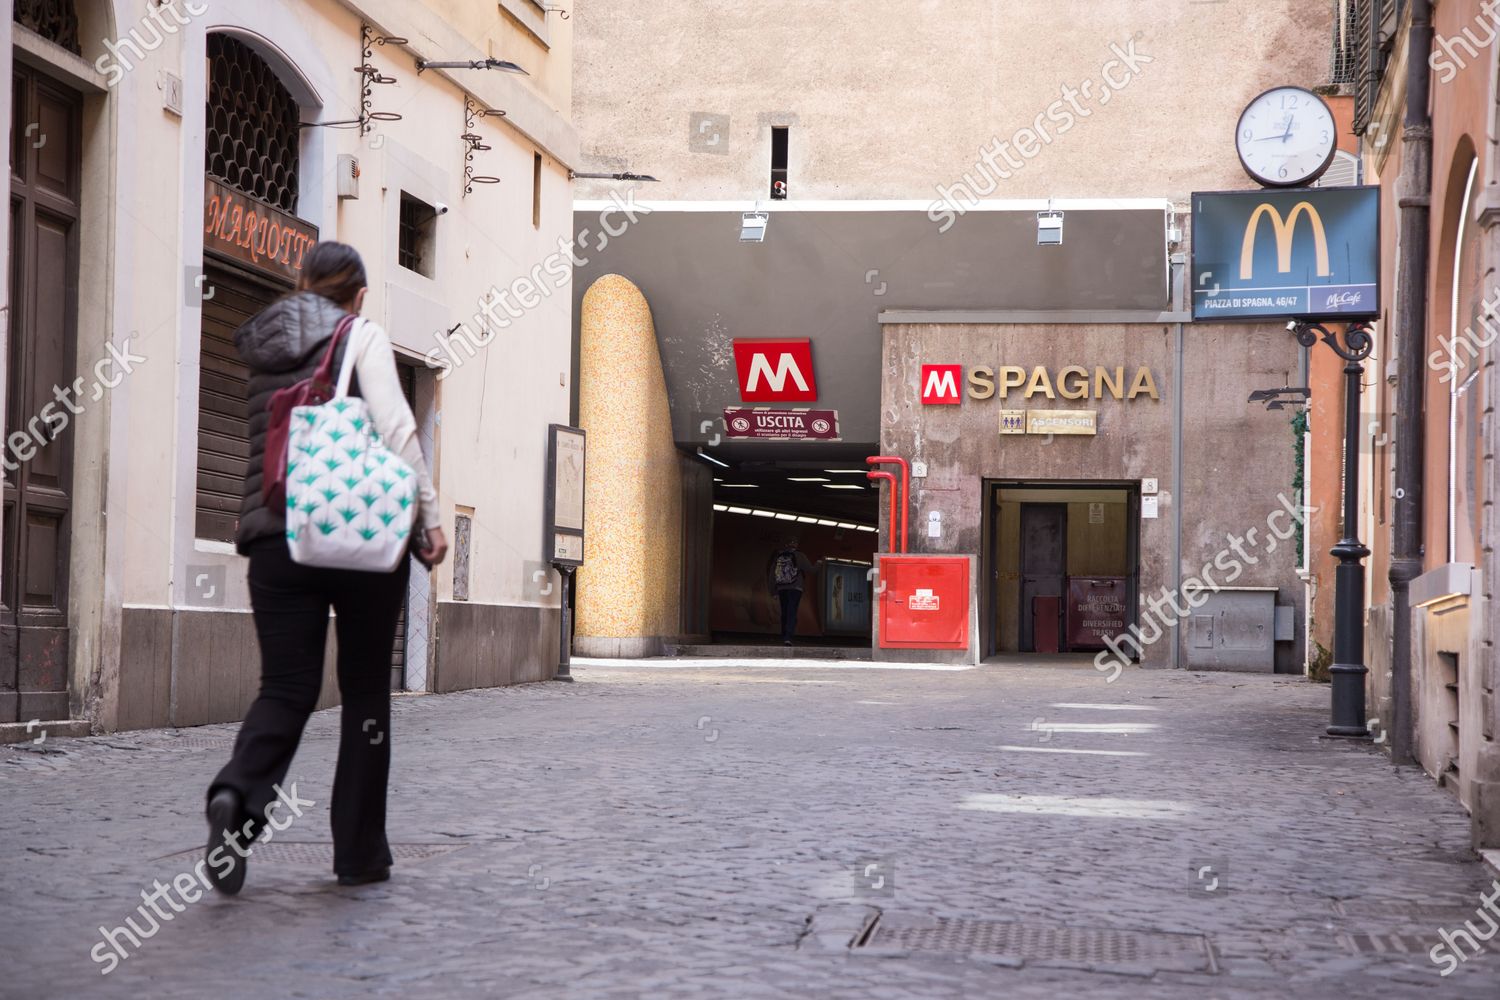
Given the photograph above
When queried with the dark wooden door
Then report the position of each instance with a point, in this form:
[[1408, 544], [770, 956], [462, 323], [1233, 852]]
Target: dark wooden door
[[1044, 532], [45, 182]]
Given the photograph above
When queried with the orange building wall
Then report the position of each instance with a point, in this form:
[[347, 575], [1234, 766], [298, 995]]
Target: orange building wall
[[1460, 109], [1325, 448]]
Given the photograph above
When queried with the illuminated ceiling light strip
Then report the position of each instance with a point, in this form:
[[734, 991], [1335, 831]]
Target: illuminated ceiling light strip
[[709, 458], [782, 515], [842, 486], [806, 479]]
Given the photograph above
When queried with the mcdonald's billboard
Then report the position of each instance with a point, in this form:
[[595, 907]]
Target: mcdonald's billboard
[[1312, 252]]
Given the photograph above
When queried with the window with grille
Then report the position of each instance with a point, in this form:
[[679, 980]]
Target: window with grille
[[415, 244], [54, 20], [253, 142]]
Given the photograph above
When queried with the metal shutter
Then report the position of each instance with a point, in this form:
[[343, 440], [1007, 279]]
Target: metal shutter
[[223, 430]]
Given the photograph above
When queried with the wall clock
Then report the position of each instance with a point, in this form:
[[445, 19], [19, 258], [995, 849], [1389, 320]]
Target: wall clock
[[1286, 137]]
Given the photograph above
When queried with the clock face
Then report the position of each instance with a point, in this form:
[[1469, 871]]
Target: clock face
[[1286, 137]]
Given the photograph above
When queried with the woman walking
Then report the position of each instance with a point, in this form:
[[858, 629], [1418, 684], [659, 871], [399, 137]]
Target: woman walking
[[284, 345]]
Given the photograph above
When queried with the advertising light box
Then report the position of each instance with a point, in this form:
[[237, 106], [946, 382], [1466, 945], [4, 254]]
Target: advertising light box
[[1301, 252]]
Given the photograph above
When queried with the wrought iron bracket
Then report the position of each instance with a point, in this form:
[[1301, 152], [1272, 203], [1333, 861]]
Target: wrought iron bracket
[[1354, 343], [474, 143], [370, 77]]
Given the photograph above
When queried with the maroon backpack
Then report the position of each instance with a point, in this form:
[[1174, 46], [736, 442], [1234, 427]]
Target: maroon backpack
[[311, 391]]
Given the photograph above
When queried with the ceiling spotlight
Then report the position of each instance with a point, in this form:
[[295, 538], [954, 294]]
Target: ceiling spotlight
[[1049, 226], [753, 227]]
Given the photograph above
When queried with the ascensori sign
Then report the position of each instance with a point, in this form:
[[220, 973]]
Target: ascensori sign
[[1300, 252]]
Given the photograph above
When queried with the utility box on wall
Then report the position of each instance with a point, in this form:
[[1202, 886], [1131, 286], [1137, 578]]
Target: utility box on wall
[[924, 603], [1235, 629]]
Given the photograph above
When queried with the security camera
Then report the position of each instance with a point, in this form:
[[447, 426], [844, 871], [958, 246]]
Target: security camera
[[440, 209]]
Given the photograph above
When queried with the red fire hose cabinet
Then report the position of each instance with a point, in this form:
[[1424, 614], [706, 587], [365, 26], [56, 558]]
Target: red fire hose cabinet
[[923, 602]]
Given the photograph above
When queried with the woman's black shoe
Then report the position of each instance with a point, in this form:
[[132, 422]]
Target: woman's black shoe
[[228, 875], [365, 878]]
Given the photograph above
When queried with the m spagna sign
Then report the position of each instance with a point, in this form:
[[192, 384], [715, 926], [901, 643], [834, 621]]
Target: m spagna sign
[[1301, 252]]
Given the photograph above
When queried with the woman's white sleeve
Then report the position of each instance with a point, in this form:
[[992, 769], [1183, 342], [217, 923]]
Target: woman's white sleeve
[[381, 388]]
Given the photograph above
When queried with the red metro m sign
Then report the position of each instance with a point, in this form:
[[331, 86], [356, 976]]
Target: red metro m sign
[[775, 370]]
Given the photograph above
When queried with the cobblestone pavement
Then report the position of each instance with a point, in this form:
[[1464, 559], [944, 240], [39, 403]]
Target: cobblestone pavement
[[680, 831]]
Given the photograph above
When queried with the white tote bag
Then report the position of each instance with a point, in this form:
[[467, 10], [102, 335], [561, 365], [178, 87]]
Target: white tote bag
[[350, 500]]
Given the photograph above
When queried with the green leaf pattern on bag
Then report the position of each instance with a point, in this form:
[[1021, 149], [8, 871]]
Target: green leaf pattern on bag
[[341, 479]]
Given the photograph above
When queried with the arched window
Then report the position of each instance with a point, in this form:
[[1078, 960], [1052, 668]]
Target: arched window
[[253, 139], [54, 20]]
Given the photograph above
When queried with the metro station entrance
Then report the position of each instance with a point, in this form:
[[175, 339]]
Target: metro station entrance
[[831, 509], [1062, 569]]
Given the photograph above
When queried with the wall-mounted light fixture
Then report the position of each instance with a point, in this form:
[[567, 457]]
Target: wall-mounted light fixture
[[574, 175], [501, 64], [1049, 229], [753, 227]]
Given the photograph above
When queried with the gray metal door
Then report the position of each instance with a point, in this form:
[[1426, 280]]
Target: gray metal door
[[1044, 567]]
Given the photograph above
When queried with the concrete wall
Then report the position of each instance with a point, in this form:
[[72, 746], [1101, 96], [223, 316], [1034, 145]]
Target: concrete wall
[[896, 98], [629, 587], [1237, 459]]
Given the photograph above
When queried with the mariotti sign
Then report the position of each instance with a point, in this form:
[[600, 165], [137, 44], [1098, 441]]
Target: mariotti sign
[[254, 233], [1301, 252]]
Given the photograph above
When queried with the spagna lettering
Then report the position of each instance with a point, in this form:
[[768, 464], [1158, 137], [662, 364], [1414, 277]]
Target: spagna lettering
[[1070, 382]]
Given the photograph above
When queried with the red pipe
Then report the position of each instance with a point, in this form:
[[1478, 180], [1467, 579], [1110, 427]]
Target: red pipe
[[905, 488], [889, 477]]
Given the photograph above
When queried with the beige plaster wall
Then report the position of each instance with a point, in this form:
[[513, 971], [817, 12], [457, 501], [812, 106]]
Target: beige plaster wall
[[888, 98]]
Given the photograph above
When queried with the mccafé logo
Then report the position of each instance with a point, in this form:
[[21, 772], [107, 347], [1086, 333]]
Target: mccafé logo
[[1285, 230], [775, 370], [940, 383]]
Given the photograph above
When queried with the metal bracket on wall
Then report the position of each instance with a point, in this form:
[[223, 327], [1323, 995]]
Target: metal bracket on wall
[[372, 76], [475, 143], [369, 78]]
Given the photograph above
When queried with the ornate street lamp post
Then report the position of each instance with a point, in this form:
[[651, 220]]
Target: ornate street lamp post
[[1348, 671]]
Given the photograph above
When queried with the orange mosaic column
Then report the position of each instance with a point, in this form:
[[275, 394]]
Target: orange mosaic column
[[628, 588]]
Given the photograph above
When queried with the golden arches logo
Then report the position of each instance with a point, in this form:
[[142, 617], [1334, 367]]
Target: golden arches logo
[[1285, 230]]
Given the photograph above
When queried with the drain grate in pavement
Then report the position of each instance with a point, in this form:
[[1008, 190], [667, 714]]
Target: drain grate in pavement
[[320, 852], [1388, 944], [1404, 910], [1041, 944], [1401, 944]]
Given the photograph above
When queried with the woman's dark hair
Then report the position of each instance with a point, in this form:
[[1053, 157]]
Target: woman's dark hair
[[333, 270]]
